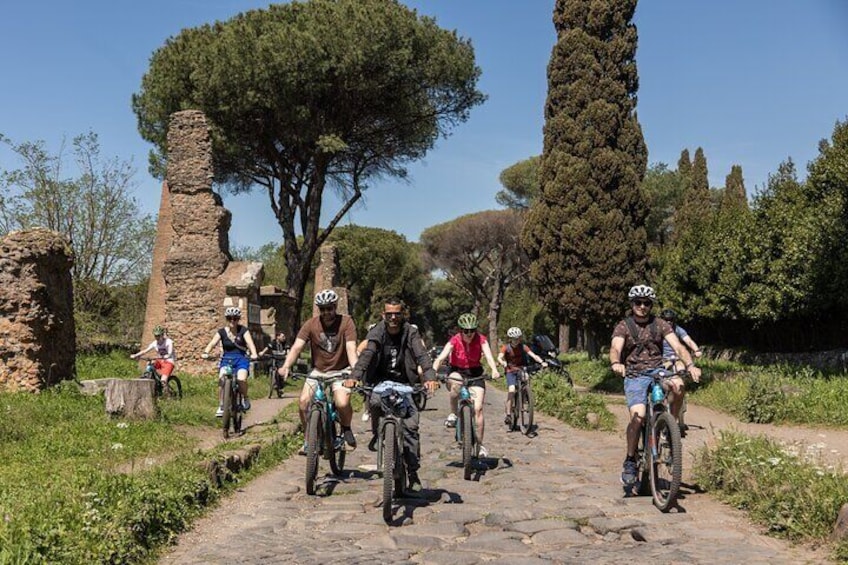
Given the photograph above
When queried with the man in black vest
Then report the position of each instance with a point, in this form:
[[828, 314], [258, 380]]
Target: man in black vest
[[636, 354], [394, 352]]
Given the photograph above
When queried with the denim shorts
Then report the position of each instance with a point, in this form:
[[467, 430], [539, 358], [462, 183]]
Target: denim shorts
[[512, 378], [636, 387]]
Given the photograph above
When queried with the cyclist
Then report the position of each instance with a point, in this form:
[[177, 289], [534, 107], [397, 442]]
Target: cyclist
[[672, 362], [164, 347], [394, 352], [236, 343], [332, 339], [278, 347], [466, 350], [635, 355], [513, 357]]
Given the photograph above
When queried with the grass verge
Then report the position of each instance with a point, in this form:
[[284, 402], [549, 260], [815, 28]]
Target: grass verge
[[793, 498], [77, 486]]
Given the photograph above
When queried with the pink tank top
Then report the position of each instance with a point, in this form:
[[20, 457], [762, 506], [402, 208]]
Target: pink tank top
[[466, 356]]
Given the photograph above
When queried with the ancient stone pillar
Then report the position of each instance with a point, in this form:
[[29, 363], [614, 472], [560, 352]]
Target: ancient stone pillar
[[327, 276], [37, 332], [199, 251], [155, 312]]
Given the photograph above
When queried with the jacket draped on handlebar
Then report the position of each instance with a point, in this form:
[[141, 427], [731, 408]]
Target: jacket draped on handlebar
[[413, 354]]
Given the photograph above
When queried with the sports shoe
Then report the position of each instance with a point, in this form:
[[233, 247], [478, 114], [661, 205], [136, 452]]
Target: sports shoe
[[482, 453], [450, 421], [508, 419], [683, 429], [219, 413], [628, 473], [350, 439], [245, 404], [372, 445], [414, 482], [302, 449]]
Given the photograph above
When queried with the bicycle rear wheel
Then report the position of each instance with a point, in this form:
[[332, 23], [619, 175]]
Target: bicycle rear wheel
[[526, 408], [238, 411], [514, 416], [467, 431], [390, 456], [313, 447], [175, 388], [227, 404], [420, 399], [336, 456], [667, 464]]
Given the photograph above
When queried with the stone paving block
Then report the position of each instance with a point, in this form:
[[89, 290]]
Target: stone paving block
[[564, 537], [531, 527], [604, 525], [417, 542], [449, 558]]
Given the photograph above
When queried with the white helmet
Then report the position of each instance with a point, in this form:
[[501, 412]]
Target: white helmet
[[232, 312], [513, 332], [642, 291], [326, 297]]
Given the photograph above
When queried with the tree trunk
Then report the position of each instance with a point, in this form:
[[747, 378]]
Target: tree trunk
[[131, 398], [296, 280], [498, 290], [593, 346], [564, 336]]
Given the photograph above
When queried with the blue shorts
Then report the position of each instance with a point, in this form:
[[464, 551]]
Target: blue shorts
[[636, 388], [512, 378], [238, 360]]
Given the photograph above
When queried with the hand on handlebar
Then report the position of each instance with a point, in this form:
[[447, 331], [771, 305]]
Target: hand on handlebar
[[431, 386], [495, 374], [695, 373]]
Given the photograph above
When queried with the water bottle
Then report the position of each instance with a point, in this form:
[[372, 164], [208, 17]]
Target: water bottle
[[319, 393], [464, 393], [657, 394]]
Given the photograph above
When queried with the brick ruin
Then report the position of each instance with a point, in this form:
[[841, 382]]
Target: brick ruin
[[37, 331], [193, 277], [327, 276]]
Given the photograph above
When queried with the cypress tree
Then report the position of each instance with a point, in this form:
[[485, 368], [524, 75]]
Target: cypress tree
[[586, 233], [684, 167], [734, 197], [696, 208]]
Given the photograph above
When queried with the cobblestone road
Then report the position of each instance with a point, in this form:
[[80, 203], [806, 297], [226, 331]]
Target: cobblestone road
[[552, 498]]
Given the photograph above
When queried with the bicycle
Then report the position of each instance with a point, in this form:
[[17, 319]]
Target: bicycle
[[659, 454], [277, 383], [394, 403], [173, 389], [522, 406], [231, 399], [323, 428], [466, 431]]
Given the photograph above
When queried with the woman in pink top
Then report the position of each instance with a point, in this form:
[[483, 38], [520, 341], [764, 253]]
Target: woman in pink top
[[466, 350]]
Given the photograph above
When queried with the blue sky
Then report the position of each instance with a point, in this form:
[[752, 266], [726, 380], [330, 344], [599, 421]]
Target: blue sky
[[751, 81]]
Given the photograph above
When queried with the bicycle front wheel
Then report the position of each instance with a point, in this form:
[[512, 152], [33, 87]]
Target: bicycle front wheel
[[227, 404], [420, 399], [526, 413], [336, 456], [467, 431], [390, 456], [238, 412], [313, 448], [667, 462]]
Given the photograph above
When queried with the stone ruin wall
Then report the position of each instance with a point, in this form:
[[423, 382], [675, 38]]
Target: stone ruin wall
[[155, 312], [327, 276], [37, 331]]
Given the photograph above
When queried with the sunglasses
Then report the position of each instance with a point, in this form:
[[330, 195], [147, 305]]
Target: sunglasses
[[233, 317], [392, 314], [647, 303], [467, 332], [326, 308]]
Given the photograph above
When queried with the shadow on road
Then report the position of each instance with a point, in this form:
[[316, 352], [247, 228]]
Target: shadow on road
[[409, 502]]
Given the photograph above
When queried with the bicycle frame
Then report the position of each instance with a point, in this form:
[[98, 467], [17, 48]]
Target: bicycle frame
[[322, 400]]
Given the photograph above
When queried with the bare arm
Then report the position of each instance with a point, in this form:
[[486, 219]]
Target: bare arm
[[501, 358], [294, 352], [248, 339], [487, 352], [616, 362], [683, 354], [693, 347], [442, 356], [142, 352], [212, 343]]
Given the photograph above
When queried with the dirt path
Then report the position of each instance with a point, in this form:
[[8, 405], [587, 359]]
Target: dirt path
[[552, 498]]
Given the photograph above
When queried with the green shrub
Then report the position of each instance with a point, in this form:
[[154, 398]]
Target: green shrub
[[793, 498], [554, 397], [764, 400]]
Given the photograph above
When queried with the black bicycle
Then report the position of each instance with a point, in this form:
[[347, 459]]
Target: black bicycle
[[394, 404], [659, 455], [466, 430], [231, 399], [522, 406], [275, 361], [323, 428], [173, 388]]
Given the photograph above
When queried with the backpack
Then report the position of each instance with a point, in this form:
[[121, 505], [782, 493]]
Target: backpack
[[654, 342]]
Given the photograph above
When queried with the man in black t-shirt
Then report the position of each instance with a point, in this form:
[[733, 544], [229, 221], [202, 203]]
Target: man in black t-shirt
[[394, 352]]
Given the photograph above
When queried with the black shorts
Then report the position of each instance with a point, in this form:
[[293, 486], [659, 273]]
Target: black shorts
[[471, 373]]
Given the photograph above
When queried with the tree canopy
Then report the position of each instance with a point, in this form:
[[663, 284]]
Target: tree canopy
[[520, 184], [308, 95]]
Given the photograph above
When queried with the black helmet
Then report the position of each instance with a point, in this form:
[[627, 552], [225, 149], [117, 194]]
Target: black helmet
[[669, 315]]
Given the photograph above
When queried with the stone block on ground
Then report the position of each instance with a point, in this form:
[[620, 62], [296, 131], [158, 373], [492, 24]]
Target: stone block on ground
[[131, 398]]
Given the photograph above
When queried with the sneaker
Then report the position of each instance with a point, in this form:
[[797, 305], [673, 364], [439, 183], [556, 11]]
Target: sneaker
[[450, 421], [302, 449], [245, 404], [628, 473], [482, 453], [366, 416], [219, 413], [349, 439], [508, 419], [372, 445], [683, 429], [414, 482]]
